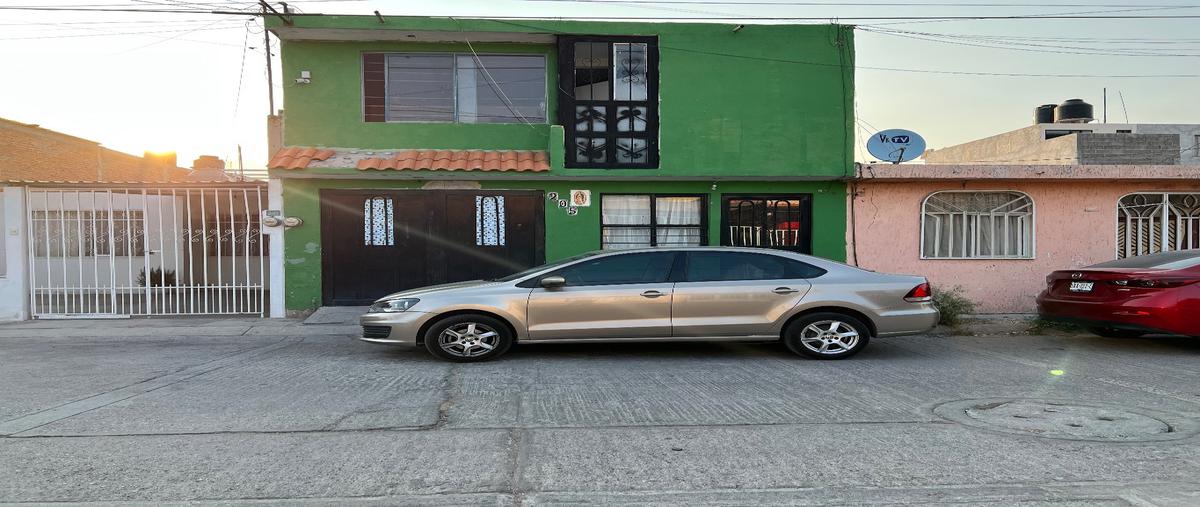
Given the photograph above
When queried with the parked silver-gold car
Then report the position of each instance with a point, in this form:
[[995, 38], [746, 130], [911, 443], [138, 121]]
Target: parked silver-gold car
[[816, 307]]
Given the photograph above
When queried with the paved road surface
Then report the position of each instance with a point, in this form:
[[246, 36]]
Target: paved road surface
[[242, 411]]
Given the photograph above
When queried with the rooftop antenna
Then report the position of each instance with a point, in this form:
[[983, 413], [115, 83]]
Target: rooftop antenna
[[896, 145], [1106, 104], [1122, 95]]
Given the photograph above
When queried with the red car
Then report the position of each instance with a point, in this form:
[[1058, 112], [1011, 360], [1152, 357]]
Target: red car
[[1156, 293]]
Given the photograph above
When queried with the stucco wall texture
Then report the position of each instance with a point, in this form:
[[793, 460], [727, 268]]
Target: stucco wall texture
[[1075, 226]]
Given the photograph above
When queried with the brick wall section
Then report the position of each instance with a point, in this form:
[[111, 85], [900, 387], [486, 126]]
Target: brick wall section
[[1122, 149], [31, 153]]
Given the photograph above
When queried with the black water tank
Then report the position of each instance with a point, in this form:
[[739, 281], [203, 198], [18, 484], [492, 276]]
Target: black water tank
[[1044, 114], [1073, 111]]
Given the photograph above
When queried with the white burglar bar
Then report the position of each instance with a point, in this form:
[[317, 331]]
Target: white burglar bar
[[120, 252]]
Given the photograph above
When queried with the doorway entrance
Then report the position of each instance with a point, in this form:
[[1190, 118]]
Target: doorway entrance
[[376, 242]]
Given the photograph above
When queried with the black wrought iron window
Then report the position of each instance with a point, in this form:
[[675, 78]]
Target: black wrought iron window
[[608, 101], [768, 221]]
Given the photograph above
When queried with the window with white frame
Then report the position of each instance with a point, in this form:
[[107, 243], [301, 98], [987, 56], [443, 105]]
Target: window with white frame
[[633, 221], [977, 225], [465, 88]]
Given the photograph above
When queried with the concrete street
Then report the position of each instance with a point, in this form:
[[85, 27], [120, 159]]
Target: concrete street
[[231, 411]]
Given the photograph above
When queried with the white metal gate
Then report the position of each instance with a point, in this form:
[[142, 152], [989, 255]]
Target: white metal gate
[[1157, 222], [146, 251]]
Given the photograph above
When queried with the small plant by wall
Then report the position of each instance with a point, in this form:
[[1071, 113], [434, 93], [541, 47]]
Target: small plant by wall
[[952, 304], [158, 278]]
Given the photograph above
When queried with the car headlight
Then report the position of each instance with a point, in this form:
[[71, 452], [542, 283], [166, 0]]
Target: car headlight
[[393, 305]]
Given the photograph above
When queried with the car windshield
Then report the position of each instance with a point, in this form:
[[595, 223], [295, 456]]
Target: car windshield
[[1165, 260], [522, 274]]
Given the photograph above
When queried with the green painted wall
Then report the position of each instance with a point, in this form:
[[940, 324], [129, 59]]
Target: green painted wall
[[767, 100], [565, 235]]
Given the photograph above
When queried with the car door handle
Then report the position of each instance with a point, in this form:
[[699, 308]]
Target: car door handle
[[652, 294], [784, 290]]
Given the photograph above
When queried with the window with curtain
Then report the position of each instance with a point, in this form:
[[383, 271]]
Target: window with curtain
[[454, 87], [977, 225], [633, 221]]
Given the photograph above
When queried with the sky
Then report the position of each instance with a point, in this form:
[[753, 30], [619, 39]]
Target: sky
[[196, 83]]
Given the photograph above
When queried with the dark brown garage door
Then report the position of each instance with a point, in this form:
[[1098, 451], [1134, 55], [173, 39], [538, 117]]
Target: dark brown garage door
[[378, 242]]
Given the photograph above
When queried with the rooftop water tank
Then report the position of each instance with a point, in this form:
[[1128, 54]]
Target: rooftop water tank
[[1073, 111], [1044, 114]]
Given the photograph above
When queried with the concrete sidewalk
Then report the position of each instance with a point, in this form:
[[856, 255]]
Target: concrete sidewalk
[[174, 326]]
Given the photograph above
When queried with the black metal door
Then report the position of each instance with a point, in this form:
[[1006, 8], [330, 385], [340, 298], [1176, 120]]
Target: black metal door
[[782, 221], [379, 242]]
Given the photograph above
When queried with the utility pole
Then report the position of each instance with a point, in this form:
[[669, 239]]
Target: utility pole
[[270, 76]]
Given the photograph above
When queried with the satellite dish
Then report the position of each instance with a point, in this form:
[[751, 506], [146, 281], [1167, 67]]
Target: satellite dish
[[896, 145]]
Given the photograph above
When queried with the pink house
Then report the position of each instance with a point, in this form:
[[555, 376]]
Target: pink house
[[998, 230]]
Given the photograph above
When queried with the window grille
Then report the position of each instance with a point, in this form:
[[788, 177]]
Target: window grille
[[977, 225], [1157, 222], [87, 233]]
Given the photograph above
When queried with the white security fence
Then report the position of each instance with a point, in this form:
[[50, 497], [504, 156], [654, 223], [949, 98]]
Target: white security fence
[[146, 251], [1152, 222]]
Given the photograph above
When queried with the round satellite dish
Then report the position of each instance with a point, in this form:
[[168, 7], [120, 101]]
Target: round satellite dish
[[896, 145]]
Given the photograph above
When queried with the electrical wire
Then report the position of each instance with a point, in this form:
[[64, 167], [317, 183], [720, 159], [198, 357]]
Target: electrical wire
[[856, 4], [1015, 46]]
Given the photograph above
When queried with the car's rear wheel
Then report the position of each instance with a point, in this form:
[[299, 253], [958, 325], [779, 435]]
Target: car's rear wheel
[[468, 338], [1109, 332], [826, 335]]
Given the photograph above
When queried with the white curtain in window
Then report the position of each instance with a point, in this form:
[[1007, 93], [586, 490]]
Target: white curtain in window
[[677, 211], [625, 210], [977, 225]]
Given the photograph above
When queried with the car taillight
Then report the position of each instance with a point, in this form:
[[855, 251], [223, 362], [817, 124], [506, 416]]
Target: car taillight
[[920, 294], [1154, 283]]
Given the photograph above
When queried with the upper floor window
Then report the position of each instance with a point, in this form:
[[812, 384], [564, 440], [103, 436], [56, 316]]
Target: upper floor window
[[608, 101], [977, 225], [454, 87]]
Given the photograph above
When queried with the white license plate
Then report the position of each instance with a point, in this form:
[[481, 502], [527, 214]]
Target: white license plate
[[1081, 286]]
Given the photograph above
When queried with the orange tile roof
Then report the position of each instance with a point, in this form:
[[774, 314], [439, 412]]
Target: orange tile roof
[[297, 157], [461, 160]]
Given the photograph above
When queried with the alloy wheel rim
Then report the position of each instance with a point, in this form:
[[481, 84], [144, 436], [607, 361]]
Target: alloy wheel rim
[[468, 339], [829, 337]]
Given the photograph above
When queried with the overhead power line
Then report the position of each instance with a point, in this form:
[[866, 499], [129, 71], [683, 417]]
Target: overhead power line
[[735, 3], [1024, 46], [648, 18]]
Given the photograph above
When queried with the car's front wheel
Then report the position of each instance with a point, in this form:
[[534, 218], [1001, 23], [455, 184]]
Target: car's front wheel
[[826, 335], [468, 338]]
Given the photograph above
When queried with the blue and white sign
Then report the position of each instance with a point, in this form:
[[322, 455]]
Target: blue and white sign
[[896, 145]]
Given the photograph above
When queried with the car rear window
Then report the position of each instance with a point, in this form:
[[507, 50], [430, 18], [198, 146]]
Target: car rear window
[[1164, 260]]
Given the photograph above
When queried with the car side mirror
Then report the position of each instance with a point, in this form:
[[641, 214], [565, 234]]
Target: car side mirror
[[552, 282]]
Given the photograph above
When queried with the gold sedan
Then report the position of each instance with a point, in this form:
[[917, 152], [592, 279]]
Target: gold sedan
[[816, 307]]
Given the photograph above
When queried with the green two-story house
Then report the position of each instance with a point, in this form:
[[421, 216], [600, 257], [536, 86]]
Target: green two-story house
[[418, 151]]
